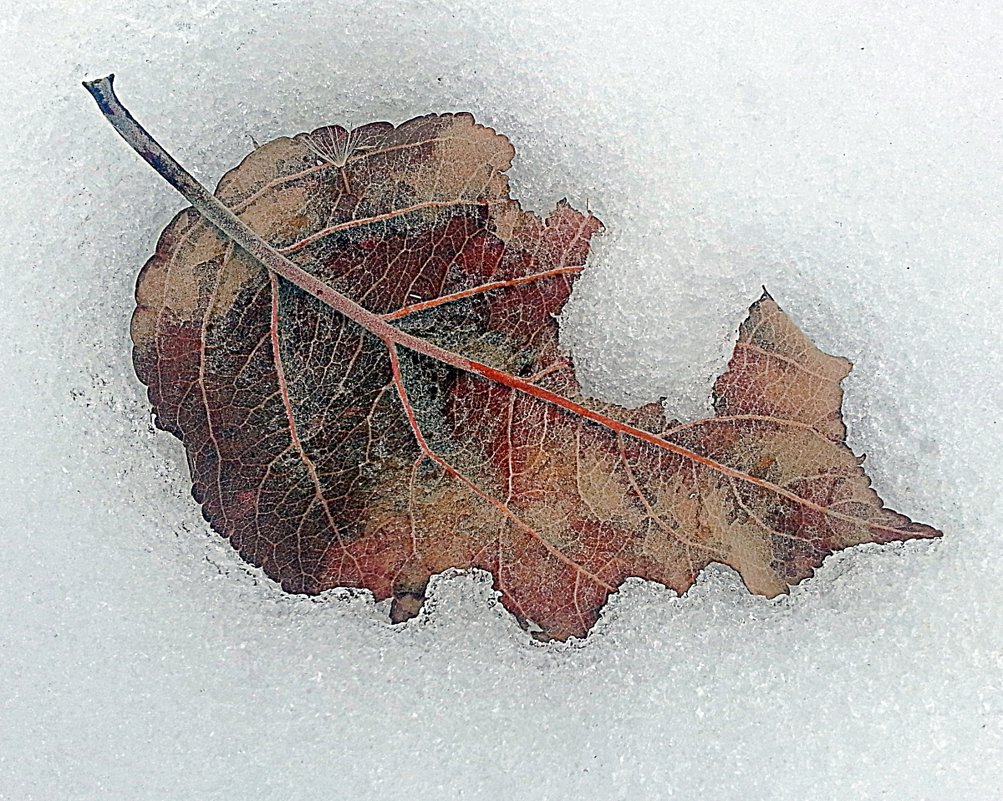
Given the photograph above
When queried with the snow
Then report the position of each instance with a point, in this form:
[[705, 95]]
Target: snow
[[847, 155]]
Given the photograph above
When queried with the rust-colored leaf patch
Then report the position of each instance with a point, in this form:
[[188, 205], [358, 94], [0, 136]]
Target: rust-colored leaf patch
[[385, 397]]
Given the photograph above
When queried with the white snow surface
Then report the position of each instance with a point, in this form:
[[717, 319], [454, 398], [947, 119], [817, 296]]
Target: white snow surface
[[845, 154]]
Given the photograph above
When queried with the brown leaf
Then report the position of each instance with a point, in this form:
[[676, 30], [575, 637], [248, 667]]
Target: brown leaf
[[422, 416]]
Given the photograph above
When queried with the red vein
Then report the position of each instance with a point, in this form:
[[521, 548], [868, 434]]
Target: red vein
[[668, 529], [757, 519], [455, 473], [736, 417], [290, 418], [210, 303], [285, 179], [390, 215], [786, 359], [327, 165], [576, 408], [477, 290]]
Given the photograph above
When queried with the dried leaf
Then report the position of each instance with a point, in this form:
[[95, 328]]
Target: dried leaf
[[440, 425]]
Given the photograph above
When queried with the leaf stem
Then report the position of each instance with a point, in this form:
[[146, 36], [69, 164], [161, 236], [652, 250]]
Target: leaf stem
[[218, 215]]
